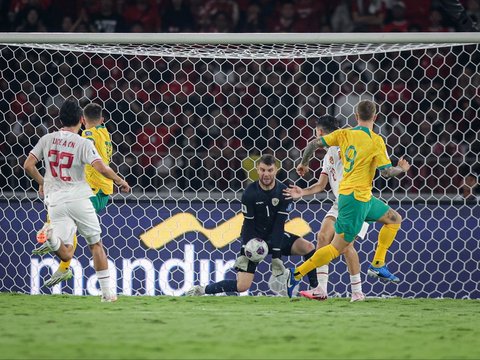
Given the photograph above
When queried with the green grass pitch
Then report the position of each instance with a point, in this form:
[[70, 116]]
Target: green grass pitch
[[71, 327]]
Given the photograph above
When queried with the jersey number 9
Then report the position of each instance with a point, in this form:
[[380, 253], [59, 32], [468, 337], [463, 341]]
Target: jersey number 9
[[350, 155]]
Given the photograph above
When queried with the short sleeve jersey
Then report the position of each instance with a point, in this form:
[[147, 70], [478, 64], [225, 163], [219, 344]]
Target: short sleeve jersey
[[100, 137], [362, 152], [65, 155]]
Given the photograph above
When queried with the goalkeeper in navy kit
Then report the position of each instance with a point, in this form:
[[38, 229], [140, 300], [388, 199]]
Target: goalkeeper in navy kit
[[265, 211]]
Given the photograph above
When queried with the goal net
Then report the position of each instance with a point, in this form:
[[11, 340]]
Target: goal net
[[189, 117]]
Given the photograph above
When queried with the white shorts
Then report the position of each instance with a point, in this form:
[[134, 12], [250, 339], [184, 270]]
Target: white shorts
[[65, 218], [333, 212]]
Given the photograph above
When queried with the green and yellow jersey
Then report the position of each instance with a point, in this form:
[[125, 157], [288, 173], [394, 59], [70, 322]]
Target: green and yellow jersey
[[362, 152], [101, 139]]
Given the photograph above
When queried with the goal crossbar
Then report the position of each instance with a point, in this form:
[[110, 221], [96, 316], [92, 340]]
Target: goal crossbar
[[240, 38], [238, 46]]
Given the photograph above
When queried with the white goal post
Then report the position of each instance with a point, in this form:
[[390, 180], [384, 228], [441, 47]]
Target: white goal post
[[190, 113]]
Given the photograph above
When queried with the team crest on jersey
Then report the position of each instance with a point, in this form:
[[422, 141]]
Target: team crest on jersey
[[331, 160], [275, 201], [88, 133]]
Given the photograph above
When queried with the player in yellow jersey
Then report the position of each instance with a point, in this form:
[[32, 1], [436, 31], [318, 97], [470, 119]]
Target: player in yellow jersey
[[362, 152], [101, 186]]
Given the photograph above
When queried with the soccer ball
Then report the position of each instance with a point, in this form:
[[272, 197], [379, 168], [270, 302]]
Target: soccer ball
[[256, 250]]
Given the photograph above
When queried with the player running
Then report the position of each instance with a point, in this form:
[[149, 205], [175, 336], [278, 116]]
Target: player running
[[362, 153], [332, 173], [101, 186], [265, 212], [67, 194]]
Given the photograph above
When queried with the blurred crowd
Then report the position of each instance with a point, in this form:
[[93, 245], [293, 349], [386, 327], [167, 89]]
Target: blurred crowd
[[199, 124], [227, 15]]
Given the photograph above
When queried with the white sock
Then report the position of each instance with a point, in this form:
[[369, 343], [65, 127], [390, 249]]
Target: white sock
[[356, 283], [322, 276], [103, 277]]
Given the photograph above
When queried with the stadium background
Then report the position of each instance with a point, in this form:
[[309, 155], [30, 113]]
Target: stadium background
[[187, 133], [228, 15]]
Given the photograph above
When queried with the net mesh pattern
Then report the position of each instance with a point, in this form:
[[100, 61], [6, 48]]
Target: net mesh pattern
[[234, 51], [188, 123]]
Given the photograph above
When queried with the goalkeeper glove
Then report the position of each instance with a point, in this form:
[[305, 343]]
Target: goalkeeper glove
[[277, 267]]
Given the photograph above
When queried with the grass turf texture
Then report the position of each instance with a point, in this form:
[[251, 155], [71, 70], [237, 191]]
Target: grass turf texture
[[71, 327]]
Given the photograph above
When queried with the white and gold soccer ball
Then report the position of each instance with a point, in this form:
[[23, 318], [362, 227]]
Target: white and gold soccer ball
[[256, 250]]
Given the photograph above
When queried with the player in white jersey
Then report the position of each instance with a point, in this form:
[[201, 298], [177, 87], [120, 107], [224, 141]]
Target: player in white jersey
[[67, 194], [332, 173]]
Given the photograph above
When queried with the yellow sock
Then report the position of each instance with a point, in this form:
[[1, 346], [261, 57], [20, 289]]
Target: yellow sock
[[385, 239], [65, 265], [321, 257]]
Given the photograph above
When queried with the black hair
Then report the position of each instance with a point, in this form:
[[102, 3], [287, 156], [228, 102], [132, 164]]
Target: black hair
[[92, 112], [328, 123], [70, 113], [267, 159]]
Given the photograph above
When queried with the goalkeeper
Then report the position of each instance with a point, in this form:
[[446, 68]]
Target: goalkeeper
[[101, 186], [265, 211]]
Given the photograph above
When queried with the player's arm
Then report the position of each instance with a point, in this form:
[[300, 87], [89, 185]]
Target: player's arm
[[107, 171], [385, 165], [90, 156], [323, 141], [310, 150], [30, 167], [248, 210], [295, 192], [402, 166]]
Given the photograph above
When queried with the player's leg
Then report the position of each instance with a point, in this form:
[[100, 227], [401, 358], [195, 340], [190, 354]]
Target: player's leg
[[246, 271], [242, 283], [244, 280], [99, 202], [64, 251], [63, 271], [55, 241], [89, 227], [293, 245], [64, 266], [353, 265], [351, 216], [323, 256], [391, 221], [325, 237], [100, 263], [57, 234], [316, 292], [306, 249]]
